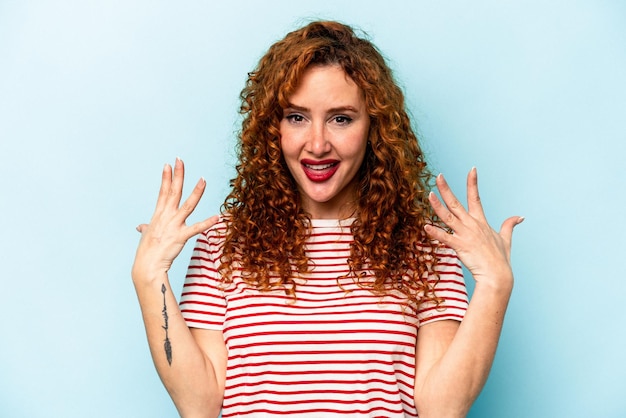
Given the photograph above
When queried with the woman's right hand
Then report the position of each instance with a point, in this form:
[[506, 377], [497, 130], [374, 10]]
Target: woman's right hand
[[166, 234]]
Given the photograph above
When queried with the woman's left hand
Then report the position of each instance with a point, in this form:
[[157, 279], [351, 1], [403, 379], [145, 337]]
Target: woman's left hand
[[485, 252]]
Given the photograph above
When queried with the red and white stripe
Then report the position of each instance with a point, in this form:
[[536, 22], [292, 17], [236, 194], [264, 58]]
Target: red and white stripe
[[335, 351]]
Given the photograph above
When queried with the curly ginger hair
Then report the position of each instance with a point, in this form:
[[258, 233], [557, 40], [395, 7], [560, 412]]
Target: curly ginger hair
[[268, 227]]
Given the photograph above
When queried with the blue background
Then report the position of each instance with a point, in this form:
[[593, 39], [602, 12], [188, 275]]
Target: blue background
[[96, 96]]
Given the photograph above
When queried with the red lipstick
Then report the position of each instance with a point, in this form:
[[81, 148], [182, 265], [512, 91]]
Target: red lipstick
[[319, 171]]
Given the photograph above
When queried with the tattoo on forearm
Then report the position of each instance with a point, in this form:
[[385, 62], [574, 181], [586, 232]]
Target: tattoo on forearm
[[167, 345]]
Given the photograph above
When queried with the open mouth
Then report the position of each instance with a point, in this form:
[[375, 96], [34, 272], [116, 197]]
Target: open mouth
[[319, 171], [319, 167]]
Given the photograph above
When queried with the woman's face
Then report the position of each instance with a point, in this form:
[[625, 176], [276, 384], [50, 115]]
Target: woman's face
[[324, 134]]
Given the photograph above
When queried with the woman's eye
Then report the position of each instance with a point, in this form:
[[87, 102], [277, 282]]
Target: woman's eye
[[295, 118], [343, 120]]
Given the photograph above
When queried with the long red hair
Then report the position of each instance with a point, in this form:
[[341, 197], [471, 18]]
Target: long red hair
[[267, 226]]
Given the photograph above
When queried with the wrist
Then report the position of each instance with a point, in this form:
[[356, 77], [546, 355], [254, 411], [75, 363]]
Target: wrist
[[142, 277], [498, 283]]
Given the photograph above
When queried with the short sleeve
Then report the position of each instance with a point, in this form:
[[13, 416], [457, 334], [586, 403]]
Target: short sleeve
[[202, 302], [450, 287]]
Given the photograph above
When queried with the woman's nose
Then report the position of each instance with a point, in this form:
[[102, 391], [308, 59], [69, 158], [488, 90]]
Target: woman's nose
[[318, 140]]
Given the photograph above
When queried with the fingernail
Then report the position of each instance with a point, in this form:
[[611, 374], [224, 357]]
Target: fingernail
[[520, 220]]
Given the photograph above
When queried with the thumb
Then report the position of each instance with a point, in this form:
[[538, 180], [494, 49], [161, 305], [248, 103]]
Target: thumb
[[203, 225], [506, 230]]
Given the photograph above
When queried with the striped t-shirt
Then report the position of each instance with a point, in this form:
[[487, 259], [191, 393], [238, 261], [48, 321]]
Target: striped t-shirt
[[337, 350]]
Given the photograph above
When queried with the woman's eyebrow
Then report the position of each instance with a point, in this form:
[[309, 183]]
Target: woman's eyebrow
[[341, 109], [338, 109], [292, 106]]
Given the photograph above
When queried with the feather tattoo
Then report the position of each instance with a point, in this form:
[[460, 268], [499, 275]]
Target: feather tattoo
[[167, 345]]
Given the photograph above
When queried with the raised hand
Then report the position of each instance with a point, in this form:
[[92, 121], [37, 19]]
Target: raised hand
[[166, 234], [485, 252]]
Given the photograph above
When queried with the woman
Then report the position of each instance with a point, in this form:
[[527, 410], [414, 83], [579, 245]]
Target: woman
[[331, 283]]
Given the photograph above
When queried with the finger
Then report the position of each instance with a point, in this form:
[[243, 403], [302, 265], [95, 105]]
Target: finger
[[442, 212], [176, 189], [166, 183], [141, 228], [452, 203], [506, 230], [474, 205], [191, 203], [439, 234], [202, 226]]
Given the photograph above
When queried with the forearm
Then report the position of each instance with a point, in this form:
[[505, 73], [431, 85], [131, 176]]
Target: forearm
[[186, 372], [451, 385]]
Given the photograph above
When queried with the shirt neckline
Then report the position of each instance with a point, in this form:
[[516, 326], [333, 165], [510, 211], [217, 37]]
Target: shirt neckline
[[331, 223]]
